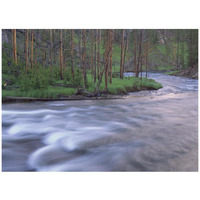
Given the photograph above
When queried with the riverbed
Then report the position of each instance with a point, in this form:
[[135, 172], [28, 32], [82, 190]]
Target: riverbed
[[145, 131]]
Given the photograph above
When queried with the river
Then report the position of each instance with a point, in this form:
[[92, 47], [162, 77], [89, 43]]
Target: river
[[145, 131]]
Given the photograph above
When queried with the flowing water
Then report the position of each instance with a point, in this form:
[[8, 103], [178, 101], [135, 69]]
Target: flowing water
[[146, 131]]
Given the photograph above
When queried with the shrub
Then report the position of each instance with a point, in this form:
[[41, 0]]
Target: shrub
[[77, 81], [34, 79]]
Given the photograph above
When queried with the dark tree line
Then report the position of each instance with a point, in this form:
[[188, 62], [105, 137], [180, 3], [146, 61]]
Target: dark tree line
[[93, 49]]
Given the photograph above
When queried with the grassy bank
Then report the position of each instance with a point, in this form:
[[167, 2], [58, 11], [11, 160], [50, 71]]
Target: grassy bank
[[172, 72], [62, 88]]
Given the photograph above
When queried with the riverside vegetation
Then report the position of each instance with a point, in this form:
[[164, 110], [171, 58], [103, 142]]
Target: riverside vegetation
[[70, 63]]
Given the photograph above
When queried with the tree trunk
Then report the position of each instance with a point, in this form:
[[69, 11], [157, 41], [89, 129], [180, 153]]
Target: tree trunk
[[54, 49], [35, 51], [174, 54], [105, 65], [135, 53], [147, 55], [122, 55], [27, 59], [61, 56], [99, 42], [111, 53], [191, 48], [14, 46], [84, 55], [140, 51], [80, 42], [32, 35], [50, 48], [72, 53], [125, 49], [106, 60], [43, 52], [178, 41], [92, 38], [95, 62], [64, 46]]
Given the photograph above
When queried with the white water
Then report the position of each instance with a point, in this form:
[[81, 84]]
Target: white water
[[146, 131]]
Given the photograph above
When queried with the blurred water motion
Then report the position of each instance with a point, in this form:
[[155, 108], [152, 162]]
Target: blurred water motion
[[146, 131]]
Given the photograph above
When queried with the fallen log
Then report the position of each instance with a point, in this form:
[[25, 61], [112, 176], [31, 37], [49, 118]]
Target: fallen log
[[90, 94]]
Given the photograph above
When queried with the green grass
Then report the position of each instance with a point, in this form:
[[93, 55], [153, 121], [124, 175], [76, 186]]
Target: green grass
[[131, 84], [165, 68], [51, 92], [118, 86], [172, 73], [59, 82], [123, 86]]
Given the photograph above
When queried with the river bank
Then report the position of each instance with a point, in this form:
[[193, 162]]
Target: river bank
[[119, 89], [191, 72]]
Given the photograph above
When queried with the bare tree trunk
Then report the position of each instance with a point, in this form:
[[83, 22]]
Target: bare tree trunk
[[141, 64], [50, 48], [125, 49], [95, 64], [14, 46], [107, 52], [81, 53], [27, 60], [111, 53], [115, 34], [84, 54], [174, 54], [122, 55], [107, 60], [99, 41], [178, 41], [135, 53], [92, 38], [54, 49], [72, 53], [64, 39], [43, 52], [147, 54], [35, 50], [32, 37], [25, 44], [140, 51], [61, 56]]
